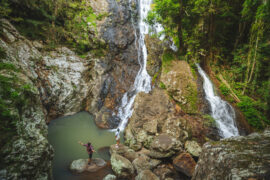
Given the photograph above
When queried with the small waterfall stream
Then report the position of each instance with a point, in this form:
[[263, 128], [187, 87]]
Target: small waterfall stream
[[142, 81], [221, 111]]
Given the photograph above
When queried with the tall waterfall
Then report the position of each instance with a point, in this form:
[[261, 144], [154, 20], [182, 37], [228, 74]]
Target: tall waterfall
[[142, 81], [221, 111]]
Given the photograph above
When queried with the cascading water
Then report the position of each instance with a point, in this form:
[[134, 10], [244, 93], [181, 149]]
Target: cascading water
[[222, 112], [142, 81]]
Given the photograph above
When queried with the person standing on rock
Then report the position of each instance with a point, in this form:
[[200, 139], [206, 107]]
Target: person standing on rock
[[89, 149], [117, 137]]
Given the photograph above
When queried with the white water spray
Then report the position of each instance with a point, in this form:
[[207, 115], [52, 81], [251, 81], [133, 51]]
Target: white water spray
[[142, 81], [222, 112]]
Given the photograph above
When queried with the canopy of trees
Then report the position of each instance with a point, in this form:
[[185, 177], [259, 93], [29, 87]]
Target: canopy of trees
[[233, 37], [69, 22]]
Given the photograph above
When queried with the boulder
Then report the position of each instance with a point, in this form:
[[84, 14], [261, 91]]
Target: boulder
[[124, 151], [81, 165], [110, 177], [146, 175], [164, 146], [184, 163], [150, 111], [121, 166], [180, 83], [193, 148], [235, 158], [143, 162], [173, 127], [163, 172]]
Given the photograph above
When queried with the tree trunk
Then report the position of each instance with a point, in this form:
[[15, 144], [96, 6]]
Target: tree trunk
[[179, 28], [254, 60], [53, 22]]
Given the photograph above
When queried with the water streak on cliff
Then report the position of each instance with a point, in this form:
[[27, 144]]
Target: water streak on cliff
[[142, 81]]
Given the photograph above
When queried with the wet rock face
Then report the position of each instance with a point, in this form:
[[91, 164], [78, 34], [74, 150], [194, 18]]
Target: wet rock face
[[121, 61], [236, 158], [154, 57]]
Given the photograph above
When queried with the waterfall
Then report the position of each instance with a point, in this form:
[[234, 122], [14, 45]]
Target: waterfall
[[221, 111], [142, 81]]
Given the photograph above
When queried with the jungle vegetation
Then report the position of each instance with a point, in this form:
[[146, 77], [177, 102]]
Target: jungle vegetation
[[232, 39]]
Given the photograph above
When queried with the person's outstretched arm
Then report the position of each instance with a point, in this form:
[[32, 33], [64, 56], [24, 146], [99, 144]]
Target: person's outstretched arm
[[80, 142]]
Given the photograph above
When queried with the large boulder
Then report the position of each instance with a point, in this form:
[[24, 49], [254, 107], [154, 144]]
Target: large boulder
[[143, 162], [164, 171], [180, 83], [164, 146], [150, 112], [81, 165], [185, 164], [174, 127], [146, 175], [124, 151], [110, 177], [236, 158], [193, 148], [121, 166]]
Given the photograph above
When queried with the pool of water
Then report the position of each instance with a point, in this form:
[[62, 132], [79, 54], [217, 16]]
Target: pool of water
[[64, 134]]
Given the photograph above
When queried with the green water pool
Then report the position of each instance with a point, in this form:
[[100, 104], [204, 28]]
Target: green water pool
[[64, 134]]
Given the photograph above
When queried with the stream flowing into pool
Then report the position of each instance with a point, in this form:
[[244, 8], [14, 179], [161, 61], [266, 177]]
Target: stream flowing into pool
[[64, 134], [221, 111]]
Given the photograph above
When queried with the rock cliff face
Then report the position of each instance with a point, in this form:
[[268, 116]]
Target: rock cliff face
[[121, 62], [236, 158], [63, 83], [181, 85], [27, 155], [58, 85]]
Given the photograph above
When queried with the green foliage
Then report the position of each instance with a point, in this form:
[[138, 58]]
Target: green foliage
[[209, 120], [194, 69], [69, 22], [167, 58], [154, 78], [166, 12], [224, 90], [4, 8], [162, 85], [232, 36], [254, 117]]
